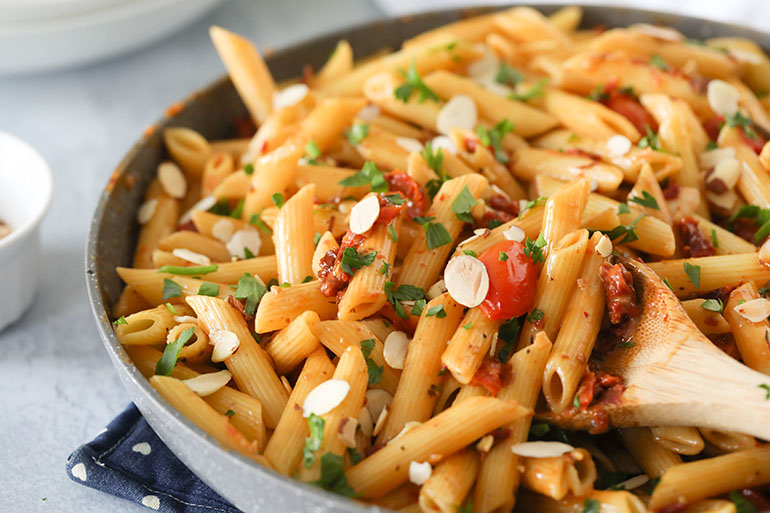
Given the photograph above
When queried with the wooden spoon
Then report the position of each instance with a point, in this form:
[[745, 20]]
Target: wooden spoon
[[675, 376]]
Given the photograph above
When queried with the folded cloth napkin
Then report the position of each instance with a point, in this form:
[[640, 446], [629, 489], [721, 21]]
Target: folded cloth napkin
[[128, 460]]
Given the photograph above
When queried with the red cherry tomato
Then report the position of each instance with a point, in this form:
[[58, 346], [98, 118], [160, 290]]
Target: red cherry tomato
[[632, 110], [512, 281]]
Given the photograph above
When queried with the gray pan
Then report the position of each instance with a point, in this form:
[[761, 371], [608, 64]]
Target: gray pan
[[211, 112]]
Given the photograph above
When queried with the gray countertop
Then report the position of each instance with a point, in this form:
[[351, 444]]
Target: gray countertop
[[57, 386]]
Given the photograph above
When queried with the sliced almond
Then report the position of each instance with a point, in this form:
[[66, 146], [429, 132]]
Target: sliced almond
[[485, 444], [146, 211], [493, 345], [207, 384], [745, 56], [381, 421], [604, 247], [181, 319], [630, 484], [477, 233], [368, 113], [466, 280], [289, 96], [458, 112], [484, 70], [514, 233], [711, 158], [366, 422], [764, 253], [377, 400], [419, 472], [243, 240], [286, 384], [204, 204], [541, 449], [726, 201], [444, 143], [722, 97], [225, 344], [346, 431], [172, 179], [191, 256], [409, 426], [685, 204], [728, 170], [665, 33], [410, 144], [395, 348], [223, 230], [618, 145], [325, 397], [755, 310], [436, 289], [364, 214]]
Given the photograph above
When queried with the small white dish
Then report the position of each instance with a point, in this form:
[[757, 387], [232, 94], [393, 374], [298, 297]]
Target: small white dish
[[26, 187]]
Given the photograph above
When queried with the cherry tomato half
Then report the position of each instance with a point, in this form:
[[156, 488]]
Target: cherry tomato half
[[512, 280], [633, 111]]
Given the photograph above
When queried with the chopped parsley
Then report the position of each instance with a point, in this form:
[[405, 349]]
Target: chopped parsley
[[229, 413], [470, 252], [414, 83], [462, 205], [120, 320], [540, 200], [623, 209], [714, 239], [167, 362], [256, 220], [418, 307], [238, 210], [493, 138], [711, 145], [598, 93], [467, 326], [467, 507], [395, 199], [250, 290], [534, 249], [508, 333], [312, 151], [503, 256], [316, 238], [693, 272], [507, 75], [352, 260], [369, 175], [392, 233], [278, 200], [535, 315], [385, 268], [535, 91], [355, 456], [357, 133], [248, 168], [333, 475], [437, 310], [656, 61], [436, 235], [188, 271], [208, 289], [307, 279], [171, 289], [375, 371], [627, 232], [650, 140], [766, 388], [539, 429], [647, 200], [171, 308], [313, 442], [744, 122], [714, 305], [435, 161], [626, 345], [404, 292], [742, 504]]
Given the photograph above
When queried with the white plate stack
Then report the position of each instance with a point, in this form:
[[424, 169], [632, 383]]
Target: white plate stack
[[45, 35]]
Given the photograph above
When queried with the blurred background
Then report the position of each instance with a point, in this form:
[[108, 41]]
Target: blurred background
[[80, 80]]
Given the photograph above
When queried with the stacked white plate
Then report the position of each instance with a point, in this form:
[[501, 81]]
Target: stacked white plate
[[44, 35]]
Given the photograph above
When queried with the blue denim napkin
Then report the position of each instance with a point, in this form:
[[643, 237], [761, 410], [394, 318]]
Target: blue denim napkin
[[128, 460]]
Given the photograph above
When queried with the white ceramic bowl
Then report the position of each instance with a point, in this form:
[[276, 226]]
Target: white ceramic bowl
[[46, 44], [26, 187]]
